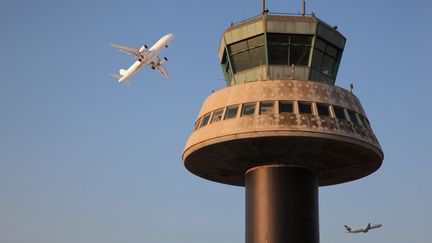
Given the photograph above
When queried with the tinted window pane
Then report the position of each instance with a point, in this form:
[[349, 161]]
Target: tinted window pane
[[278, 55], [196, 124], [231, 112], [339, 112], [353, 117], [299, 55], [323, 110], [205, 120], [273, 38], [317, 59], [285, 107], [224, 57], [257, 56], [327, 65], [241, 61], [326, 79], [305, 108], [320, 45], [301, 39], [248, 109], [367, 121], [315, 75], [217, 116], [238, 47], [331, 51], [256, 41], [266, 107]]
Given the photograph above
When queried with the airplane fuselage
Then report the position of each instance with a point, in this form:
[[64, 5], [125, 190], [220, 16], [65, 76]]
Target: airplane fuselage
[[147, 57], [363, 229]]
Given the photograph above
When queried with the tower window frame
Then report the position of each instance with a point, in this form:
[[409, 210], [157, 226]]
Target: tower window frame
[[266, 107], [205, 120], [326, 59], [248, 109], [323, 109], [286, 107], [248, 53], [217, 115], [288, 49], [339, 113], [353, 118], [305, 108], [196, 124], [231, 112]]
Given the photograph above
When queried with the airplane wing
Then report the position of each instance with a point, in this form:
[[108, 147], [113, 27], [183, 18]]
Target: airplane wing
[[162, 71], [128, 50]]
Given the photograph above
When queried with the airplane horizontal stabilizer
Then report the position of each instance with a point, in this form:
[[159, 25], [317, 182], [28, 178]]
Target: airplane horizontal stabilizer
[[118, 77]]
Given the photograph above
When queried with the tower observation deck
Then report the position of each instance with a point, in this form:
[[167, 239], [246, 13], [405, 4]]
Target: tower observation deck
[[281, 128]]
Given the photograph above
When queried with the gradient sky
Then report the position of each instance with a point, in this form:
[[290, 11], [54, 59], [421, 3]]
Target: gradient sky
[[85, 159]]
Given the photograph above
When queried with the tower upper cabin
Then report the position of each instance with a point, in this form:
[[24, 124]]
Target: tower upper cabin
[[281, 47]]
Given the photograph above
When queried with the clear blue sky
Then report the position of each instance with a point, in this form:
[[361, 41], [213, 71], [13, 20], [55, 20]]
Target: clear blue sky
[[85, 159]]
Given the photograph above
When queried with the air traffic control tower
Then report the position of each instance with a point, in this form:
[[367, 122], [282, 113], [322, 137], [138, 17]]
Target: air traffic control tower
[[281, 128]]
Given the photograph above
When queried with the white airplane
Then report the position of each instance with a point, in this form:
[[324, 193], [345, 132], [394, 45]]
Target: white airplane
[[144, 57], [363, 229]]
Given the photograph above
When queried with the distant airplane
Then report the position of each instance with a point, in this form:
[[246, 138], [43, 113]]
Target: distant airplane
[[363, 229], [144, 57]]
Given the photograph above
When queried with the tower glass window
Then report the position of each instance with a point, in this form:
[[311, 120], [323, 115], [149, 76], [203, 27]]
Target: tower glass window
[[226, 67], [325, 60], [231, 112], [305, 108], [197, 122], [353, 117], [205, 120], [217, 115], [286, 49], [248, 53], [365, 121], [323, 110], [286, 107], [267, 107], [339, 113], [248, 109]]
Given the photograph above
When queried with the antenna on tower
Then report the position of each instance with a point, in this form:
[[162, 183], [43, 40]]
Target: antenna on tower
[[303, 7], [263, 7]]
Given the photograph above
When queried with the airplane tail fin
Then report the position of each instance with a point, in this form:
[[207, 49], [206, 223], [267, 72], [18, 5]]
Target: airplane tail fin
[[347, 228], [368, 227]]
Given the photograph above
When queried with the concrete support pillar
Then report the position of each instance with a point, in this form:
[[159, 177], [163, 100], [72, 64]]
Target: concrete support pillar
[[281, 205]]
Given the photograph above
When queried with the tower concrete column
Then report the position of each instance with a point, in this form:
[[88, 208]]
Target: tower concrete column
[[281, 205]]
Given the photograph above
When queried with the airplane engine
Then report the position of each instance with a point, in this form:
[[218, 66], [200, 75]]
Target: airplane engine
[[163, 61], [144, 47]]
